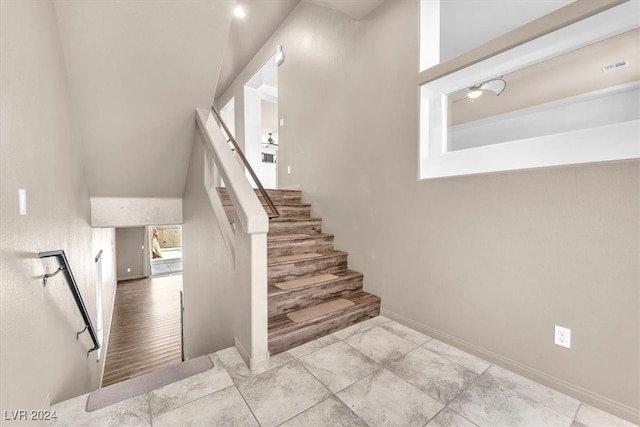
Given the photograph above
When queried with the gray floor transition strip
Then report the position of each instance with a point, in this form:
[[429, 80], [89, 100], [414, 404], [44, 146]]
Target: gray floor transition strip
[[115, 393]]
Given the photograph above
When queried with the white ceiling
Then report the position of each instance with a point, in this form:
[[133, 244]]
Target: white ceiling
[[137, 71]]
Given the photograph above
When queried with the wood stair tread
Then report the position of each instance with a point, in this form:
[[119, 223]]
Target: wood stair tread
[[295, 219], [305, 282], [268, 190], [227, 203], [320, 310], [311, 281], [283, 324], [292, 259], [300, 236]]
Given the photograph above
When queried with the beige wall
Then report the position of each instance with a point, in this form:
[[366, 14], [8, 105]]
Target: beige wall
[[135, 211], [487, 262], [208, 277], [130, 253], [40, 360]]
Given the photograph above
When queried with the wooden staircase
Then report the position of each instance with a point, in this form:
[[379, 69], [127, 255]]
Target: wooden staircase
[[312, 292]]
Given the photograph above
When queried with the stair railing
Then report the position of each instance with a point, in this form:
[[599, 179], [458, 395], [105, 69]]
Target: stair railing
[[272, 208], [65, 268], [246, 242]]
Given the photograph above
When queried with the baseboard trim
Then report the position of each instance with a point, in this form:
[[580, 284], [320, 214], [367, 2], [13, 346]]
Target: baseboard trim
[[587, 396], [253, 363], [129, 278]]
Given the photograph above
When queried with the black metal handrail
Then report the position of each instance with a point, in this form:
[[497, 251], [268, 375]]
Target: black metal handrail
[[274, 212], [63, 266]]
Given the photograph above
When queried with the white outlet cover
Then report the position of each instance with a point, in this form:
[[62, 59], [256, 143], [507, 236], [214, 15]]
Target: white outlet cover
[[562, 336], [281, 122]]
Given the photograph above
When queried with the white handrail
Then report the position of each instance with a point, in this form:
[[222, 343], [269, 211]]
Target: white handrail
[[250, 212]]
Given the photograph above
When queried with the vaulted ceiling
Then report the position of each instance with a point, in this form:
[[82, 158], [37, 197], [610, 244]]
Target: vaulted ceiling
[[138, 70]]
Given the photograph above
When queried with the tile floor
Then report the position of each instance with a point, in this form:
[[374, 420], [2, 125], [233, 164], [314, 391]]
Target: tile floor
[[170, 263], [377, 373], [163, 267]]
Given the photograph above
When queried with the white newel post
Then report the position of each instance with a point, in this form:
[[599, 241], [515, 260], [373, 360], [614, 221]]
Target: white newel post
[[251, 282]]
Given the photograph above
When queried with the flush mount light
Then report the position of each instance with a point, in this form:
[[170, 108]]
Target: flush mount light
[[496, 86], [239, 12], [474, 93]]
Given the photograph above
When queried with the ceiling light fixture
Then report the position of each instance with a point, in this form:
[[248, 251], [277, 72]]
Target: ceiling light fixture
[[239, 12], [474, 93], [270, 141], [496, 86]]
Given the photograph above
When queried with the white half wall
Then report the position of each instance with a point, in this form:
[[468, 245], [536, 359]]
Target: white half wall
[[210, 300]]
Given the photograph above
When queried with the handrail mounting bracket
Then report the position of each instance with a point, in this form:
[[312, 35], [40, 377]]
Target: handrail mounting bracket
[[48, 275]]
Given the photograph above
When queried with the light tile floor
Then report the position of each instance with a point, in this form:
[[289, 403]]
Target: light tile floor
[[377, 373]]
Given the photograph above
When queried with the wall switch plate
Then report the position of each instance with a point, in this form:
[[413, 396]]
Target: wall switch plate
[[22, 202], [289, 170], [142, 247], [562, 336], [128, 270], [281, 122]]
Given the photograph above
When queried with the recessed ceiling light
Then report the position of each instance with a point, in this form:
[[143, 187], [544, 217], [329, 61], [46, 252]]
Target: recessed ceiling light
[[239, 12]]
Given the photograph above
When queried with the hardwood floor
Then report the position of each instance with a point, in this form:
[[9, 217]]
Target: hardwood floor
[[145, 330]]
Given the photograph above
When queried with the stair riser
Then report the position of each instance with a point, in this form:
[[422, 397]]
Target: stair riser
[[284, 342], [302, 211], [295, 247], [284, 199], [299, 299], [273, 192], [297, 227], [311, 267]]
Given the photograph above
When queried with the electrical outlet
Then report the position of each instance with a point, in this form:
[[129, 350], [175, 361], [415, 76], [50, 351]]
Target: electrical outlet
[[562, 336]]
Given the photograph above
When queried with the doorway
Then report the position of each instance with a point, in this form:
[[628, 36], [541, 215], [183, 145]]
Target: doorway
[[261, 123], [165, 256], [146, 325]]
